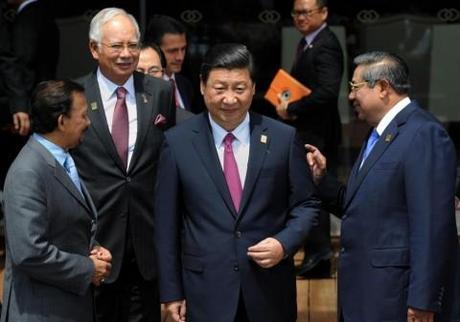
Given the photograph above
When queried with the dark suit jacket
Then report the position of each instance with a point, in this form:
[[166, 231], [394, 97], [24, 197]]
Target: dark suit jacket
[[13, 96], [124, 198], [398, 234], [320, 68], [50, 229], [185, 88], [202, 242], [35, 41]]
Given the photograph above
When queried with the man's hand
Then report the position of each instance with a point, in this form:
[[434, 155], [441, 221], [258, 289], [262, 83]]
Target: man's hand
[[317, 163], [267, 253], [101, 271], [102, 254], [21, 123], [414, 315], [175, 311], [281, 109]]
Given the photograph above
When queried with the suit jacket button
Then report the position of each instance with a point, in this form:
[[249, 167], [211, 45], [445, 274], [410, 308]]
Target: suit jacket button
[[236, 268], [238, 234], [342, 250], [128, 179]]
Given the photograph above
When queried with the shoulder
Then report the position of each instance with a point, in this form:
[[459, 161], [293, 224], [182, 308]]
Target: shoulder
[[148, 83], [195, 124]]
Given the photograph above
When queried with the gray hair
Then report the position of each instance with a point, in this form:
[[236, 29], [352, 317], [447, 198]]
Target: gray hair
[[379, 65], [104, 16]]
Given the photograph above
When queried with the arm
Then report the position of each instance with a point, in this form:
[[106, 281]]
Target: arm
[[329, 70], [303, 205], [330, 190], [167, 227], [429, 176], [27, 222]]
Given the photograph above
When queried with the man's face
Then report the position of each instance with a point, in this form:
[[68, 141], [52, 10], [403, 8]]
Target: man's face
[[118, 52], [308, 17], [150, 63], [366, 101], [74, 125], [174, 47], [228, 95]]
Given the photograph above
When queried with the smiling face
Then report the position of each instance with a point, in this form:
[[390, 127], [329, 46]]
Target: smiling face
[[367, 101], [312, 16], [116, 65], [228, 95]]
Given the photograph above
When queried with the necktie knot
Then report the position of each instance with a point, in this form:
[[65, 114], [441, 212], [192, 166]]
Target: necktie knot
[[121, 93], [228, 140]]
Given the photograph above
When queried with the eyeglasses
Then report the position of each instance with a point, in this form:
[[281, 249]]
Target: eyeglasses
[[305, 13], [133, 47], [355, 86], [154, 71]]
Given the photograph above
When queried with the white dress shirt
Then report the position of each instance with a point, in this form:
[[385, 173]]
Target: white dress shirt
[[109, 98]]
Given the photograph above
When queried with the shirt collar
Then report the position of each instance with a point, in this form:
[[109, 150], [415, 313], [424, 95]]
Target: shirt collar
[[108, 88], [312, 35], [56, 151], [241, 132], [166, 77], [391, 114]]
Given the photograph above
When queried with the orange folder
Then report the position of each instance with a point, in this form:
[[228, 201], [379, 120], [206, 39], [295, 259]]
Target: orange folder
[[289, 87]]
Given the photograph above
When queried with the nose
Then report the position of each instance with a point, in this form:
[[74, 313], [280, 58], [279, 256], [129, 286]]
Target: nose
[[229, 99], [351, 95]]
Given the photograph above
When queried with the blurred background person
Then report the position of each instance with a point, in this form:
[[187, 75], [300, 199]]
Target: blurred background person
[[171, 36], [319, 66], [153, 62]]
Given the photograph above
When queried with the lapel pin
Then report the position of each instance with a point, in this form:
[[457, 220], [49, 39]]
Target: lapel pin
[[388, 138], [263, 139], [93, 106], [144, 98]]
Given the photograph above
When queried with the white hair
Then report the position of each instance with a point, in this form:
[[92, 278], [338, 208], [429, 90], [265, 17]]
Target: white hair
[[104, 16]]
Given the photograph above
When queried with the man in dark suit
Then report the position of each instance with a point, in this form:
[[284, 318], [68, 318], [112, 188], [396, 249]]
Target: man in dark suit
[[171, 36], [398, 237], [152, 61], [35, 41], [319, 66], [118, 162], [50, 220], [230, 215]]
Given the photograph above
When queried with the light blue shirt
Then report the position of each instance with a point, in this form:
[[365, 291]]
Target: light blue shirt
[[240, 145], [56, 151]]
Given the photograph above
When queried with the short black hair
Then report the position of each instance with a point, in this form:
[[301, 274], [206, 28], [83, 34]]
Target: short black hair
[[51, 99], [159, 25], [158, 51], [227, 56]]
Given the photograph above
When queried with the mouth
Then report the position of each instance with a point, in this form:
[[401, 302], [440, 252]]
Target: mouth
[[125, 65]]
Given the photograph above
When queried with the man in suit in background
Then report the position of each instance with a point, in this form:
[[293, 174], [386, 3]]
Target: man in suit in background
[[233, 204], [398, 237], [171, 36], [319, 66], [50, 220], [118, 162], [152, 62], [35, 41]]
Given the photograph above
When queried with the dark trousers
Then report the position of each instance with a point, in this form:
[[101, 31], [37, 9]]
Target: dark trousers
[[129, 299], [241, 314]]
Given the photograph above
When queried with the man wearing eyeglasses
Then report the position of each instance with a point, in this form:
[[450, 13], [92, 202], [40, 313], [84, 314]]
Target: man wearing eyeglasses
[[318, 65], [117, 161], [398, 234], [152, 62]]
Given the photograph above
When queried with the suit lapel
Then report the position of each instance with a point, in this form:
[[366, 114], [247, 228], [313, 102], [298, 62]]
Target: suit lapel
[[386, 139], [260, 142], [98, 121], [59, 173], [204, 145], [145, 109]]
